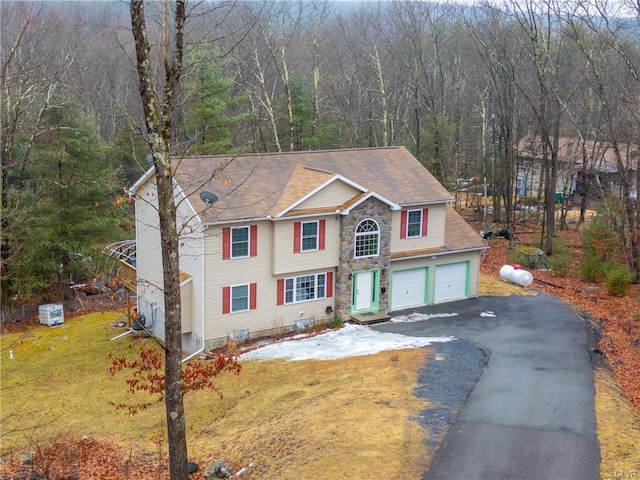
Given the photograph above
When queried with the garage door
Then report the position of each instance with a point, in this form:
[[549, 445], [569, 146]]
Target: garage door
[[451, 282], [408, 288]]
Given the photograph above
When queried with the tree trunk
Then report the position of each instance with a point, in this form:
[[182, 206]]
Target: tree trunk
[[174, 404], [158, 121]]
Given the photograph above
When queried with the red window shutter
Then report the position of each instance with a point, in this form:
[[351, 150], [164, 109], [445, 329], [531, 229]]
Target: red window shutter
[[280, 300], [226, 243], [321, 235], [425, 221], [253, 287], [329, 284], [226, 299], [296, 237], [403, 224], [253, 240]]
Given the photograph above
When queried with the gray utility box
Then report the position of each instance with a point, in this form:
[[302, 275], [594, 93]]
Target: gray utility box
[[51, 314]]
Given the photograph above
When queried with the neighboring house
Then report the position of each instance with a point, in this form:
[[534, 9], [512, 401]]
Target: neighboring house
[[584, 167], [301, 237]]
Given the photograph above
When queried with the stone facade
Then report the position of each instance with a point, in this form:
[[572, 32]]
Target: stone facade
[[374, 209]]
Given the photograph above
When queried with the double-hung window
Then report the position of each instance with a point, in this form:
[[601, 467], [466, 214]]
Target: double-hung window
[[309, 236], [414, 223], [239, 242], [239, 298]]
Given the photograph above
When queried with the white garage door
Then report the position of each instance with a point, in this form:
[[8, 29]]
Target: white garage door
[[451, 282], [408, 288]]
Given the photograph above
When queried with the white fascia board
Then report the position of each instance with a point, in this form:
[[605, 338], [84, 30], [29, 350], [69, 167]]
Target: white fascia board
[[179, 192], [336, 177], [232, 221], [143, 179], [441, 254], [305, 215], [392, 205], [447, 201]]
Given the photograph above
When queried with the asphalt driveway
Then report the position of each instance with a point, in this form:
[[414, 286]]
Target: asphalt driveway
[[516, 391]]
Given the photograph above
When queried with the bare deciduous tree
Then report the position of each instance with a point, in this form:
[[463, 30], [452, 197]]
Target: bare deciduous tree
[[158, 106]]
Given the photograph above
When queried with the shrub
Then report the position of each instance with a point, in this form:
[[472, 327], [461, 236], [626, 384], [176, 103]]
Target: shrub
[[336, 322], [592, 266], [600, 237], [618, 280], [560, 261]]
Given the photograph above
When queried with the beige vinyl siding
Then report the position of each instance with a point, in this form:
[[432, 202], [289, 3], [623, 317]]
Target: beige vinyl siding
[[236, 271], [285, 261], [267, 317], [190, 245], [334, 194], [149, 254], [186, 295], [435, 230]]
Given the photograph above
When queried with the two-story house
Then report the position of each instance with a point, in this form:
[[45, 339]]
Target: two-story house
[[271, 242]]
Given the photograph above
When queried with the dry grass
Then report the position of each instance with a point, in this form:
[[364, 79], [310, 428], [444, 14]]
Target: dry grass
[[349, 418], [292, 420], [58, 383], [618, 426], [323, 419], [498, 287]]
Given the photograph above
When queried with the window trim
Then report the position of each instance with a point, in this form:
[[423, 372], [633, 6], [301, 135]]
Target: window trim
[[227, 244], [231, 289], [316, 236], [404, 224], [316, 287], [227, 297], [363, 234], [409, 212], [248, 242]]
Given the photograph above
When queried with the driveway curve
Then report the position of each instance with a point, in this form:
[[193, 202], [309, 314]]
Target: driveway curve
[[530, 415]]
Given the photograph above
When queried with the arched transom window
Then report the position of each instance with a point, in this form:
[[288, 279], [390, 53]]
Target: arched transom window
[[367, 239]]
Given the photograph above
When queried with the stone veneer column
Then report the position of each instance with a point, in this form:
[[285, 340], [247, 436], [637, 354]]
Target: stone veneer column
[[380, 212]]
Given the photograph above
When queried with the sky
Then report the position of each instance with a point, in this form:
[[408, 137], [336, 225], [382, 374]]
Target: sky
[[348, 341]]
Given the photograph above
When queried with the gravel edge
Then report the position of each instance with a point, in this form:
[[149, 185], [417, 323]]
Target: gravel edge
[[446, 381]]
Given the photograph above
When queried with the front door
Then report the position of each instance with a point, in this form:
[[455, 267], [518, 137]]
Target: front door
[[364, 291]]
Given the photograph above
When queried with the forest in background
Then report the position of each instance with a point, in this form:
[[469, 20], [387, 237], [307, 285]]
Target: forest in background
[[458, 85]]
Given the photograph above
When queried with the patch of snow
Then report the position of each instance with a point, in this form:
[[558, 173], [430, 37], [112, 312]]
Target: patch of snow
[[348, 341], [418, 317], [488, 313]]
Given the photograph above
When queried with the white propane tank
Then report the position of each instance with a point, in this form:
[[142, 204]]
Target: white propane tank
[[515, 274]]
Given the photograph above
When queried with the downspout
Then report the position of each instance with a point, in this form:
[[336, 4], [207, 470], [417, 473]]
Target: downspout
[[202, 297]]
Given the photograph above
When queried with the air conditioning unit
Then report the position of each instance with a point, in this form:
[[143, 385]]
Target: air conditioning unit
[[51, 314]]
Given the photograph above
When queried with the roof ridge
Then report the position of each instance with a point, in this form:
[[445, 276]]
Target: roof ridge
[[294, 152]]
